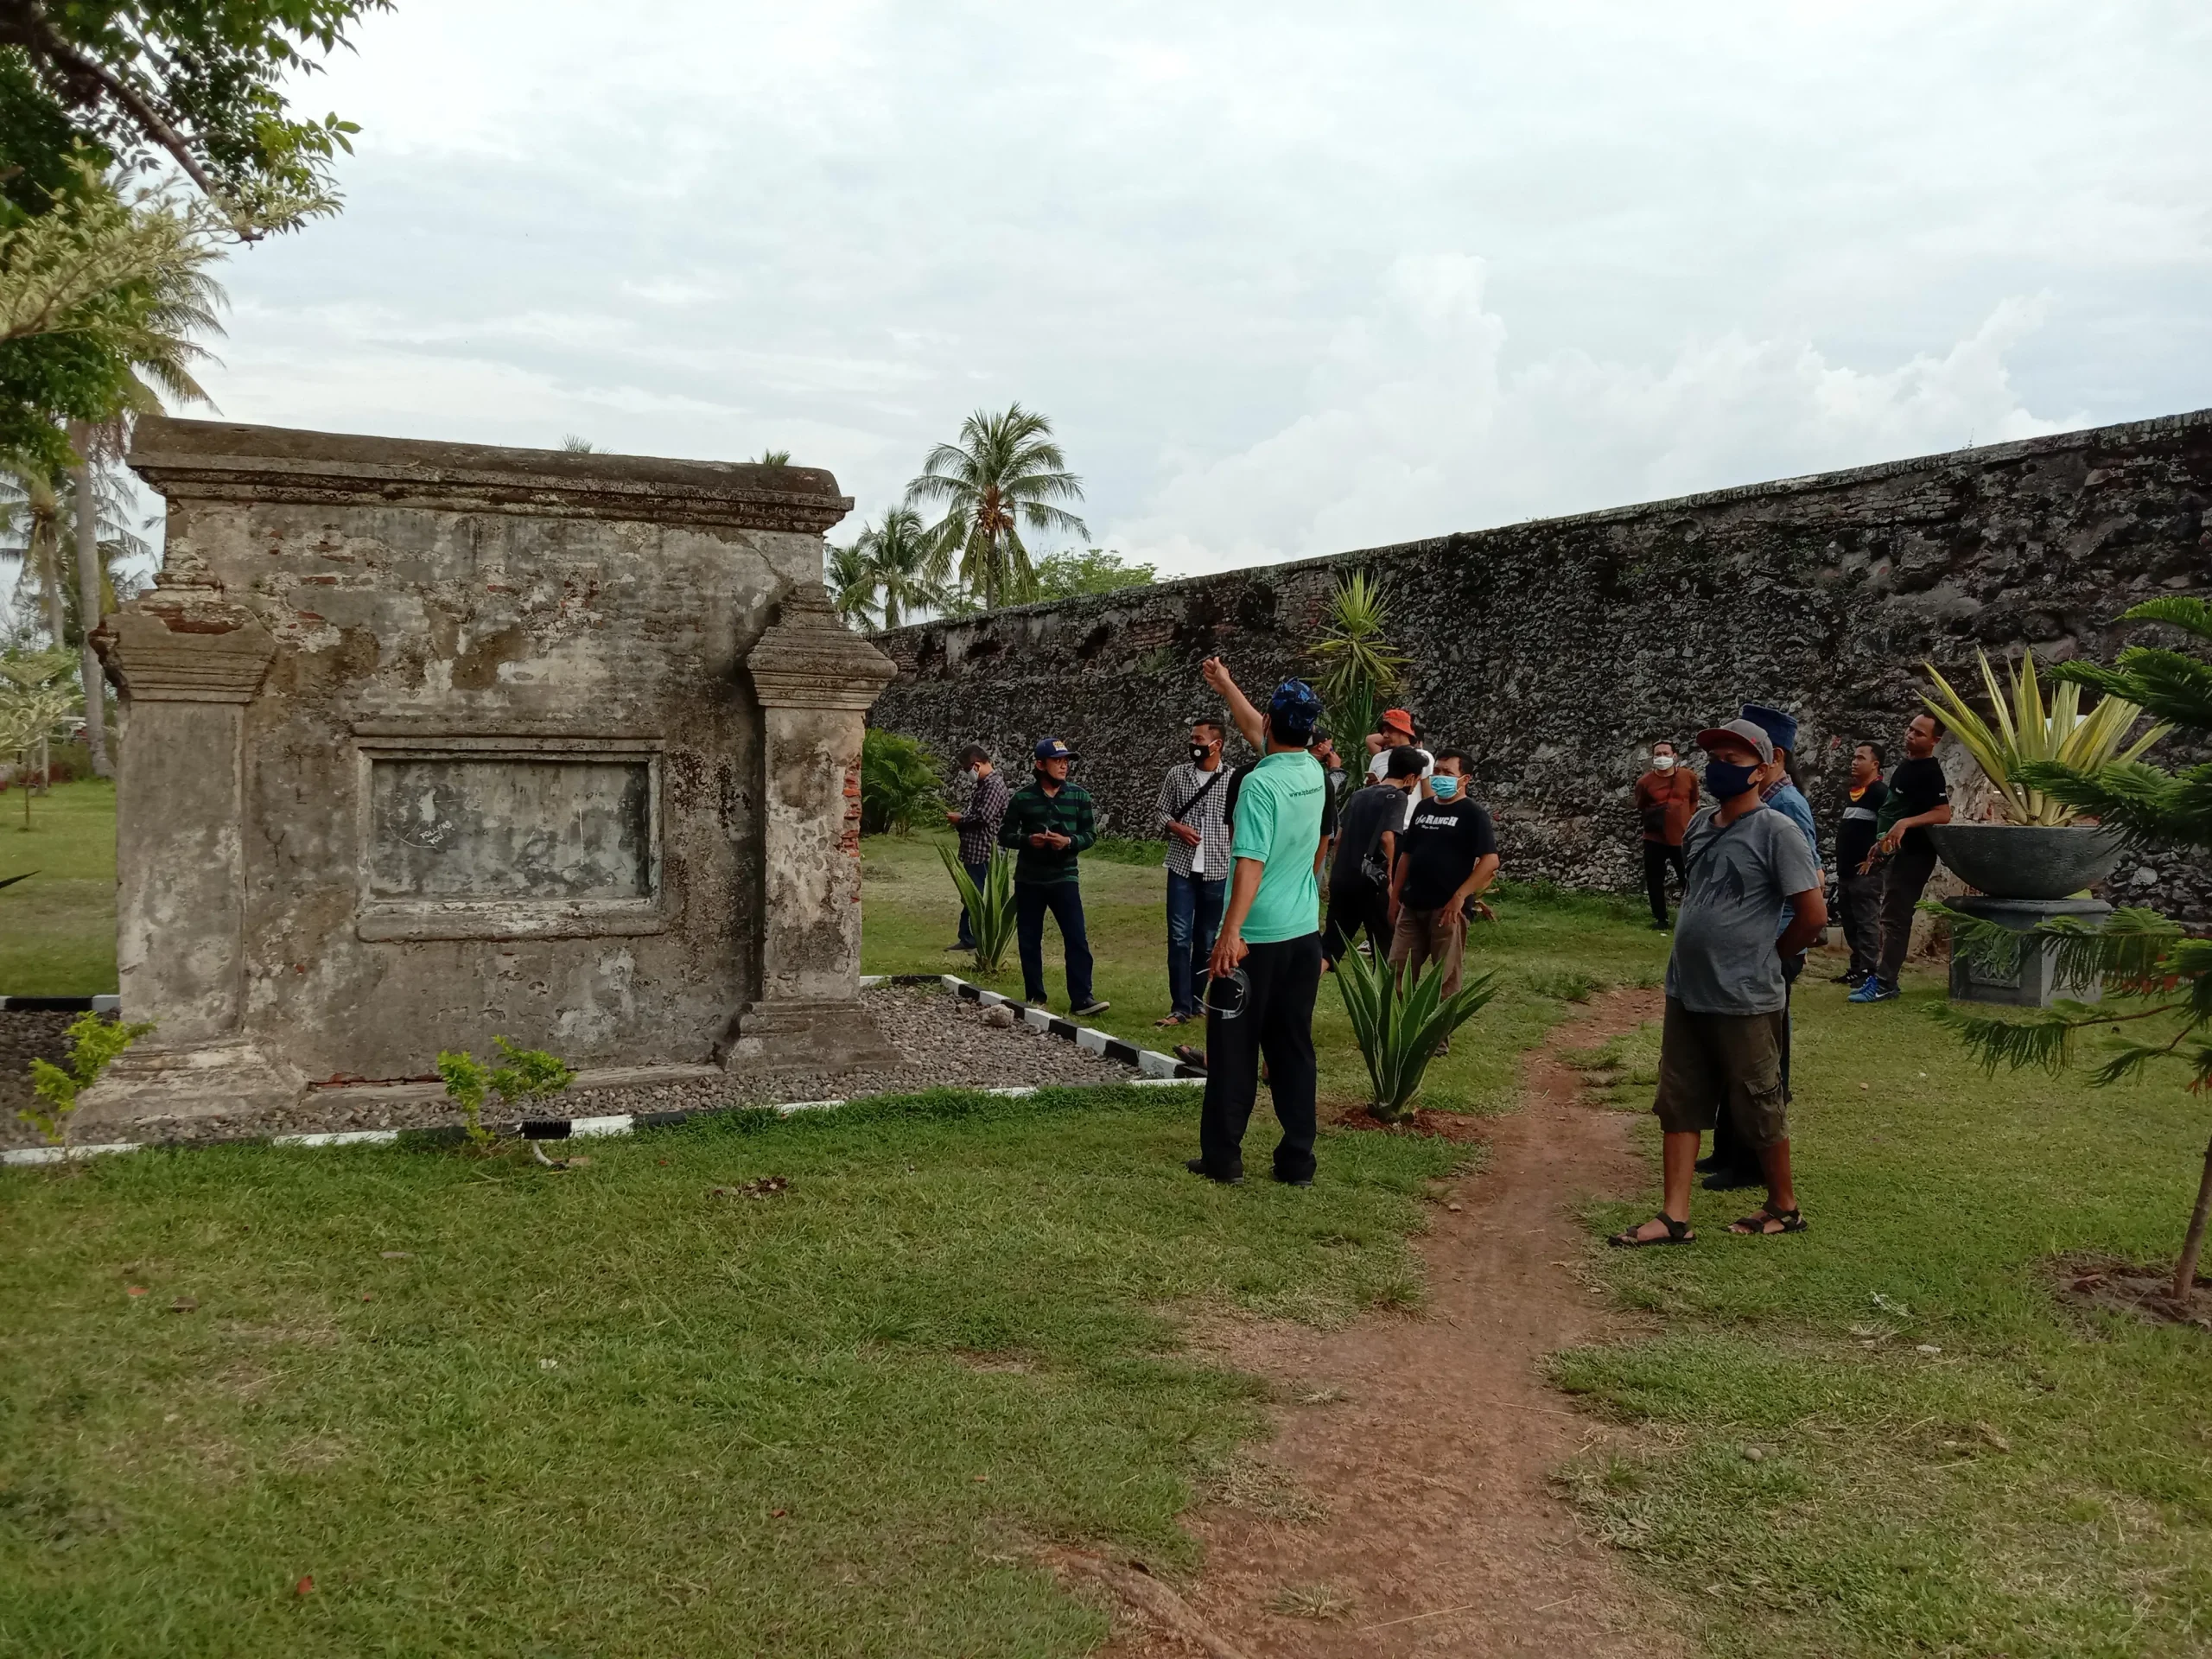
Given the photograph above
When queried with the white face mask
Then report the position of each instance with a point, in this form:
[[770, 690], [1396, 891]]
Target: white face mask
[[1663, 762]]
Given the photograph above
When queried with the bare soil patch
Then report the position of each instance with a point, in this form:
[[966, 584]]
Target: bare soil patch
[[1424, 1447], [1442, 1126], [2119, 1287]]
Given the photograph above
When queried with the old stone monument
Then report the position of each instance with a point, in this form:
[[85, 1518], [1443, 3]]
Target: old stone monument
[[428, 743]]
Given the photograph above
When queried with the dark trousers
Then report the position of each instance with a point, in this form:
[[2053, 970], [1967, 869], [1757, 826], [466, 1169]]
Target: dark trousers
[[1732, 1152], [1356, 905], [1194, 917], [1064, 899], [981, 875], [1859, 899], [1907, 874], [1277, 1020], [1658, 859]]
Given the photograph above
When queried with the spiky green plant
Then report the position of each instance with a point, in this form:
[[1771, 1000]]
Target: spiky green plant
[[2024, 729], [1399, 1026], [1358, 665], [2157, 978], [989, 906]]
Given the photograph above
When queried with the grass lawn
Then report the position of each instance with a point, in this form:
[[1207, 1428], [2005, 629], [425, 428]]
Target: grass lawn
[[57, 929], [1949, 1463]]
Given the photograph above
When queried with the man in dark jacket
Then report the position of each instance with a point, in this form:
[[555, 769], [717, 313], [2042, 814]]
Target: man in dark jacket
[[978, 824], [1048, 823]]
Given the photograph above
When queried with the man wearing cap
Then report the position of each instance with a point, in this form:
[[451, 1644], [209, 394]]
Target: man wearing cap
[[1720, 1047], [1395, 731], [1047, 823], [1266, 958], [1735, 1162]]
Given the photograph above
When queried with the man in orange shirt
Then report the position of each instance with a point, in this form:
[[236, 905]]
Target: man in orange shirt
[[1665, 798]]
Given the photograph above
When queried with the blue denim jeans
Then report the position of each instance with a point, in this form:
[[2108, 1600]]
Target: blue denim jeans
[[1064, 901], [1194, 917], [981, 875]]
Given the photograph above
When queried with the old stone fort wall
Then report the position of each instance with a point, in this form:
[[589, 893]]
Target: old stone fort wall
[[1554, 650]]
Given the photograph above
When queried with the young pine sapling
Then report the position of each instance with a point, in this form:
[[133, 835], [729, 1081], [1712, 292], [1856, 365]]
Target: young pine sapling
[[528, 1078], [94, 1042]]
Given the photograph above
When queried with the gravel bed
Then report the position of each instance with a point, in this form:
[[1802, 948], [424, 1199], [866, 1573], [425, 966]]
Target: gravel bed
[[943, 1038]]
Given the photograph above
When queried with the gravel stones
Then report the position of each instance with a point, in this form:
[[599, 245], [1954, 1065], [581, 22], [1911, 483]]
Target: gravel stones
[[948, 1041]]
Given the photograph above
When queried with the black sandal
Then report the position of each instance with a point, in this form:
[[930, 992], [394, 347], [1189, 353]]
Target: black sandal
[[1755, 1225], [1678, 1232]]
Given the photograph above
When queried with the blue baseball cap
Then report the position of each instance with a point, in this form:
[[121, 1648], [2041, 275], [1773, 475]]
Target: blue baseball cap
[[1294, 712], [1051, 748], [1780, 728]]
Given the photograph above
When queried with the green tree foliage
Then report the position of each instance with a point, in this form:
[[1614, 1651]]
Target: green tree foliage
[[94, 1042], [196, 85], [37, 526], [898, 782], [2157, 978], [1094, 570], [852, 589], [1004, 474], [898, 555]]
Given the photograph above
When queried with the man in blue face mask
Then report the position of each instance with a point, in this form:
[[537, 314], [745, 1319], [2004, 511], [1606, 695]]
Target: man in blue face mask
[[1720, 1047], [1447, 856]]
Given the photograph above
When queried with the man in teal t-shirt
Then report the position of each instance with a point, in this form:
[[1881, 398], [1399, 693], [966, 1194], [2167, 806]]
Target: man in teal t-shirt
[[1266, 958]]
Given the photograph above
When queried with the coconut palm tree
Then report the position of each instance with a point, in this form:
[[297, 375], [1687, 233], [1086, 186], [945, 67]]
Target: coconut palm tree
[[1003, 473], [899, 552], [852, 586]]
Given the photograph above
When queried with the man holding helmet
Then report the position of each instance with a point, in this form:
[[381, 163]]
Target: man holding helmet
[[1266, 958]]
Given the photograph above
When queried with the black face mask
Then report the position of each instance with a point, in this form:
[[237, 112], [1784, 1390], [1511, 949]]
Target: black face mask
[[1198, 753]]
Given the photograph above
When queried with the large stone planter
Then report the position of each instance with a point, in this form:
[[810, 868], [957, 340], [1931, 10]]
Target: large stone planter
[[2012, 861]]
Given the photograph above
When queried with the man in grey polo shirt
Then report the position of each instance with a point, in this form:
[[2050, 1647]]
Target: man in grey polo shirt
[[1720, 1048]]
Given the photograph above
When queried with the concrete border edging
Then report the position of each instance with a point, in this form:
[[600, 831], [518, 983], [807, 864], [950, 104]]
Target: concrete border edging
[[1155, 1068]]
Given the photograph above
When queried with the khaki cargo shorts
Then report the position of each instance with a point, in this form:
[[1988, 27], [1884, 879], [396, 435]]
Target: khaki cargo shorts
[[1709, 1061]]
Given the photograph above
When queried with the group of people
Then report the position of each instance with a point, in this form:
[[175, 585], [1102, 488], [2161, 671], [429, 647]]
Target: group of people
[[1404, 859]]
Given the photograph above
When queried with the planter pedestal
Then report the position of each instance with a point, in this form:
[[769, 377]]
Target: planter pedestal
[[2035, 984]]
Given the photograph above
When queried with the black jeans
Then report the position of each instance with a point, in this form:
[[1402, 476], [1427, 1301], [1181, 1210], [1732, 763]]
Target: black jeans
[[1355, 905], [1064, 899], [1658, 859], [1859, 899], [1732, 1153], [1277, 1020], [981, 875], [1901, 884]]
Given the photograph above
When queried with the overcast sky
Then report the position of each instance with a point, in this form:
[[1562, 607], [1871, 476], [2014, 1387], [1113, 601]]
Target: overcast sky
[[1290, 278]]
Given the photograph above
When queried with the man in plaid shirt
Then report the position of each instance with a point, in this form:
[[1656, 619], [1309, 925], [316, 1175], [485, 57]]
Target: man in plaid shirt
[[978, 824], [1193, 799]]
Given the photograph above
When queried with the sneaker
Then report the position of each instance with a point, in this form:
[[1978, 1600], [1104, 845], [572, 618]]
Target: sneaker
[[1659, 927], [1097, 1005], [1198, 1167], [1293, 1180], [1873, 990], [1848, 976]]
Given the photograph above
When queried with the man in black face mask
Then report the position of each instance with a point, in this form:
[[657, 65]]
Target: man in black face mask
[[1190, 813]]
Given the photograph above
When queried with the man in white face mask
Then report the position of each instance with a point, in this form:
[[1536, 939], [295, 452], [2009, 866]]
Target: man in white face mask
[[1665, 798]]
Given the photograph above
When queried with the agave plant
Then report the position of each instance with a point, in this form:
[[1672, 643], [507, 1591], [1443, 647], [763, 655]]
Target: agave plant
[[2027, 729], [1399, 1025], [1358, 664], [990, 907]]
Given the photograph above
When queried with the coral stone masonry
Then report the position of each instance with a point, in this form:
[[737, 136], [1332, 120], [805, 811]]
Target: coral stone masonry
[[1555, 650], [425, 743]]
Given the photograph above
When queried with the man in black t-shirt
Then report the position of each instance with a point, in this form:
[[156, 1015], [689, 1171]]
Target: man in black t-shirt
[[1447, 855], [1367, 845], [1859, 893], [1919, 796]]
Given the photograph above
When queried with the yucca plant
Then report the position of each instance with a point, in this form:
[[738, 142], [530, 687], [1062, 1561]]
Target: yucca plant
[[2026, 729], [1399, 1026], [990, 908], [1358, 664]]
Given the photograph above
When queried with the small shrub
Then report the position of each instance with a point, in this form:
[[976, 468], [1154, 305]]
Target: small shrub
[[898, 782], [990, 908], [94, 1042], [530, 1077], [1399, 1026]]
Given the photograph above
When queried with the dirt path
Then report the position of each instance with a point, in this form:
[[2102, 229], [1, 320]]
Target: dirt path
[[1428, 1446]]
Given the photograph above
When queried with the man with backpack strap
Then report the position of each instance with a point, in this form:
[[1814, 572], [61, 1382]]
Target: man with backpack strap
[[1192, 813]]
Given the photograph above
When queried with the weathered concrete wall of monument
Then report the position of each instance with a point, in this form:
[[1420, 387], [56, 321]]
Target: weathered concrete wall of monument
[[1553, 651]]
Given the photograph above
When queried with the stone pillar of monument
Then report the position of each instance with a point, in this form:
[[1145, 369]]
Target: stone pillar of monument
[[187, 660], [815, 679]]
